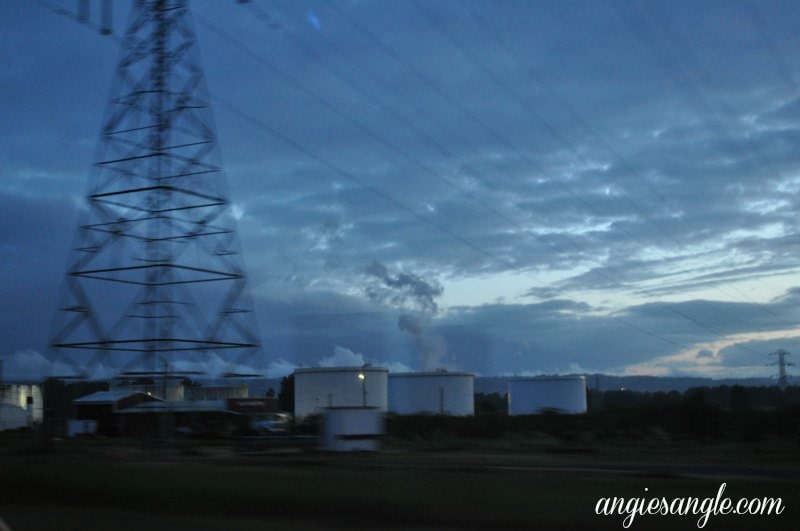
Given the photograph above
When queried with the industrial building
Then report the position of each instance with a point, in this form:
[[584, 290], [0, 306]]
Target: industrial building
[[135, 413], [316, 389], [216, 392], [168, 386], [562, 394], [136, 405], [437, 393], [104, 407]]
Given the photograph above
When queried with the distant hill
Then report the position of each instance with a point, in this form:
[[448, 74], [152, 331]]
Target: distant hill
[[498, 384]]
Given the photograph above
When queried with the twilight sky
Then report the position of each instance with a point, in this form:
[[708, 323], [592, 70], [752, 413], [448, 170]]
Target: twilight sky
[[513, 187]]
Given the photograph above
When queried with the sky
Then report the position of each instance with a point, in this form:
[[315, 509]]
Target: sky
[[504, 188]]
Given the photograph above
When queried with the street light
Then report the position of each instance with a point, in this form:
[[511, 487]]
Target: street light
[[363, 378]]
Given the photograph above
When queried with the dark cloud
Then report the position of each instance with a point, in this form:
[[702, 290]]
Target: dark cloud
[[757, 353]]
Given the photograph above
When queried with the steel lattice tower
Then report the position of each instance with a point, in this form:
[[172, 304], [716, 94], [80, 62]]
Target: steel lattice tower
[[156, 274], [783, 379]]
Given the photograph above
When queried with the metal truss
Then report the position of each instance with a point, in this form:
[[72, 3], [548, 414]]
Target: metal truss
[[156, 273]]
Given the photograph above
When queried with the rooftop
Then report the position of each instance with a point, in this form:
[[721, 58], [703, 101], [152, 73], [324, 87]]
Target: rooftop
[[107, 397]]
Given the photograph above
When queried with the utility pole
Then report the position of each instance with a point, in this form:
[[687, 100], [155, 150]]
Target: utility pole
[[782, 364]]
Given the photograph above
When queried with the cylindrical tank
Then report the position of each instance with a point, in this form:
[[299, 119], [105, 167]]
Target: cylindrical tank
[[27, 396], [530, 396], [316, 389], [438, 393]]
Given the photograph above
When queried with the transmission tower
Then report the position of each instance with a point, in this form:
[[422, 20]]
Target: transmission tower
[[781, 362], [156, 274]]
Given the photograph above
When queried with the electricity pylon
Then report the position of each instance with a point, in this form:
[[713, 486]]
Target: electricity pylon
[[156, 274], [783, 380]]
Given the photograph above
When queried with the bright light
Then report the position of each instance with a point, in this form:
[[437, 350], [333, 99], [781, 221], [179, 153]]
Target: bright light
[[361, 376]]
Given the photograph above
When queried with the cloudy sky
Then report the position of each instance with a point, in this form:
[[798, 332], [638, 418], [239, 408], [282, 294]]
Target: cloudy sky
[[512, 187]]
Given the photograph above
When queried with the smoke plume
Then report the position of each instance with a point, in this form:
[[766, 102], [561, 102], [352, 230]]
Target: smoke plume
[[403, 289], [411, 292], [431, 346]]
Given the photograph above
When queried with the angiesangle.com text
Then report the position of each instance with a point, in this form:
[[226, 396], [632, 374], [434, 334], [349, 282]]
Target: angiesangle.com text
[[704, 507]]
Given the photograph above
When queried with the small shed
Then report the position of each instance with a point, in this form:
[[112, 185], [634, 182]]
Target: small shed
[[353, 429]]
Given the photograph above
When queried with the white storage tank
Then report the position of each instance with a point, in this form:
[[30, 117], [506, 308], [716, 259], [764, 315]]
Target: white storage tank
[[27, 396], [353, 429], [317, 389], [13, 417], [438, 393], [530, 396]]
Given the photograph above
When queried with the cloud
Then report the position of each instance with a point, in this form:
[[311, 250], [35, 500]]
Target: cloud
[[343, 357], [397, 367], [32, 365], [619, 171], [280, 368], [26, 365], [214, 365]]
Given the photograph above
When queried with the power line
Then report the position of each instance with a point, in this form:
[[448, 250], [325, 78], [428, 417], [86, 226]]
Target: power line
[[524, 66], [446, 231], [353, 178], [514, 95], [669, 308], [644, 30]]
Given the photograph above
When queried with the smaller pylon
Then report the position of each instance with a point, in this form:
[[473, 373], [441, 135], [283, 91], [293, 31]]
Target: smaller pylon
[[781, 362]]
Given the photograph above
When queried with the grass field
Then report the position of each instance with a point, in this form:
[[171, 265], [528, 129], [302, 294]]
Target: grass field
[[127, 485]]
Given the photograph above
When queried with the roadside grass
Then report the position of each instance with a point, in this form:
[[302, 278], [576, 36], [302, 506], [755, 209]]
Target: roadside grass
[[82, 489], [544, 473]]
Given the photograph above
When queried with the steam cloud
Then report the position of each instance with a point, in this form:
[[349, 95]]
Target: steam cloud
[[413, 292], [431, 346], [344, 357]]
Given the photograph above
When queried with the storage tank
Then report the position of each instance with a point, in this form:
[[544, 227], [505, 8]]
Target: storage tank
[[316, 389], [27, 396], [530, 396], [438, 393]]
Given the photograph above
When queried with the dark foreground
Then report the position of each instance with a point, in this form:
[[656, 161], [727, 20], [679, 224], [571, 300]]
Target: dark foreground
[[190, 485]]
